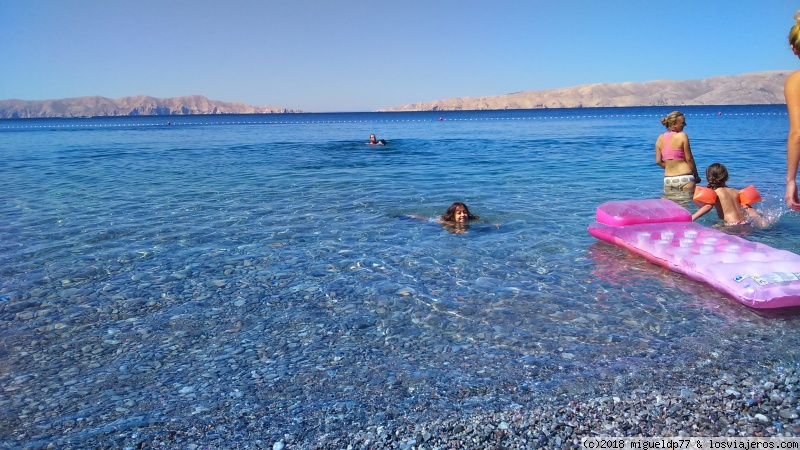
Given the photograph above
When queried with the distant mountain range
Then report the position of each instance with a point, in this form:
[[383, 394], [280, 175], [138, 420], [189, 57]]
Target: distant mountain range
[[748, 89], [141, 105]]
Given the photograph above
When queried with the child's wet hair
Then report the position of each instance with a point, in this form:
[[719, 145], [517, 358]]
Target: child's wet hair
[[449, 215], [717, 175]]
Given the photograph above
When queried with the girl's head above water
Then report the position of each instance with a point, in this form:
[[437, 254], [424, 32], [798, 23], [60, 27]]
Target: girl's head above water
[[458, 212]]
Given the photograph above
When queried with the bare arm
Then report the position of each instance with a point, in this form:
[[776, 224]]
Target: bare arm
[[414, 216], [702, 212], [791, 92], [755, 216], [687, 155], [659, 146]]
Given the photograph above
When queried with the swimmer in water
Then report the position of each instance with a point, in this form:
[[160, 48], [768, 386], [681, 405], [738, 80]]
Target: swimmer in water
[[726, 200], [455, 219], [373, 141]]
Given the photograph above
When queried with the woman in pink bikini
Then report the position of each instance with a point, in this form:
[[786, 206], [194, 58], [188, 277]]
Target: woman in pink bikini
[[674, 154]]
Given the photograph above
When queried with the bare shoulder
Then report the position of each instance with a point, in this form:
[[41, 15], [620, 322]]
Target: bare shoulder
[[793, 80]]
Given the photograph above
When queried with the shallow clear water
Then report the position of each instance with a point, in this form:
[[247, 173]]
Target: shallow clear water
[[161, 271]]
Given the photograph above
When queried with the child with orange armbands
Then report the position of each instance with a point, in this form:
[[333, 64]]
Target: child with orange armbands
[[731, 204]]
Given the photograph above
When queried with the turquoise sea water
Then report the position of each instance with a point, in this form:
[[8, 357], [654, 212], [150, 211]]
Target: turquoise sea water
[[162, 271]]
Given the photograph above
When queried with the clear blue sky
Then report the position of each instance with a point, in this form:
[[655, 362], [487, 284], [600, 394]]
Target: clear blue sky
[[362, 55]]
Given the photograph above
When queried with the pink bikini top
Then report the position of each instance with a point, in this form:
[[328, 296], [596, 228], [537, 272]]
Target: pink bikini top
[[668, 152]]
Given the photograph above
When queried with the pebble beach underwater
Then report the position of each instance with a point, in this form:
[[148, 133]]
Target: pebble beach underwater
[[256, 281]]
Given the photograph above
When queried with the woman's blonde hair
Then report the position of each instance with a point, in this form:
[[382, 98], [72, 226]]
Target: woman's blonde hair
[[671, 119], [794, 33]]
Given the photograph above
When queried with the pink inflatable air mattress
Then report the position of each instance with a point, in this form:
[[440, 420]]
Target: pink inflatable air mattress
[[755, 274]]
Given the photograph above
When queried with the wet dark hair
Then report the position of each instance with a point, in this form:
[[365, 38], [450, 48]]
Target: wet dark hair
[[449, 215], [717, 175]]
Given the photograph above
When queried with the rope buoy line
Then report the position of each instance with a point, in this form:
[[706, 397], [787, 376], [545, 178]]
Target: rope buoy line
[[305, 122]]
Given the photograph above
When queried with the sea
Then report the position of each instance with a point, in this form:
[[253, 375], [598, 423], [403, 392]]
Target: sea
[[166, 269]]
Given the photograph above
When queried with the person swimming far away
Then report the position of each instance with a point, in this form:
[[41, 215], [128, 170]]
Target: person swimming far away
[[373, 141]]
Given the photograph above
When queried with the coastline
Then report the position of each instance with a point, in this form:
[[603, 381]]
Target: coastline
[[756, 88]]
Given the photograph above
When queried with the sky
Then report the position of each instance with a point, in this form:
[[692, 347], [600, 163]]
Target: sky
[[364, 55]]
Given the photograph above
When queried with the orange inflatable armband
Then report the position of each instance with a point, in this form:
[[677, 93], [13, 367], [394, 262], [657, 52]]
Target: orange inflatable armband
[[749, 195], [704, 196]]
